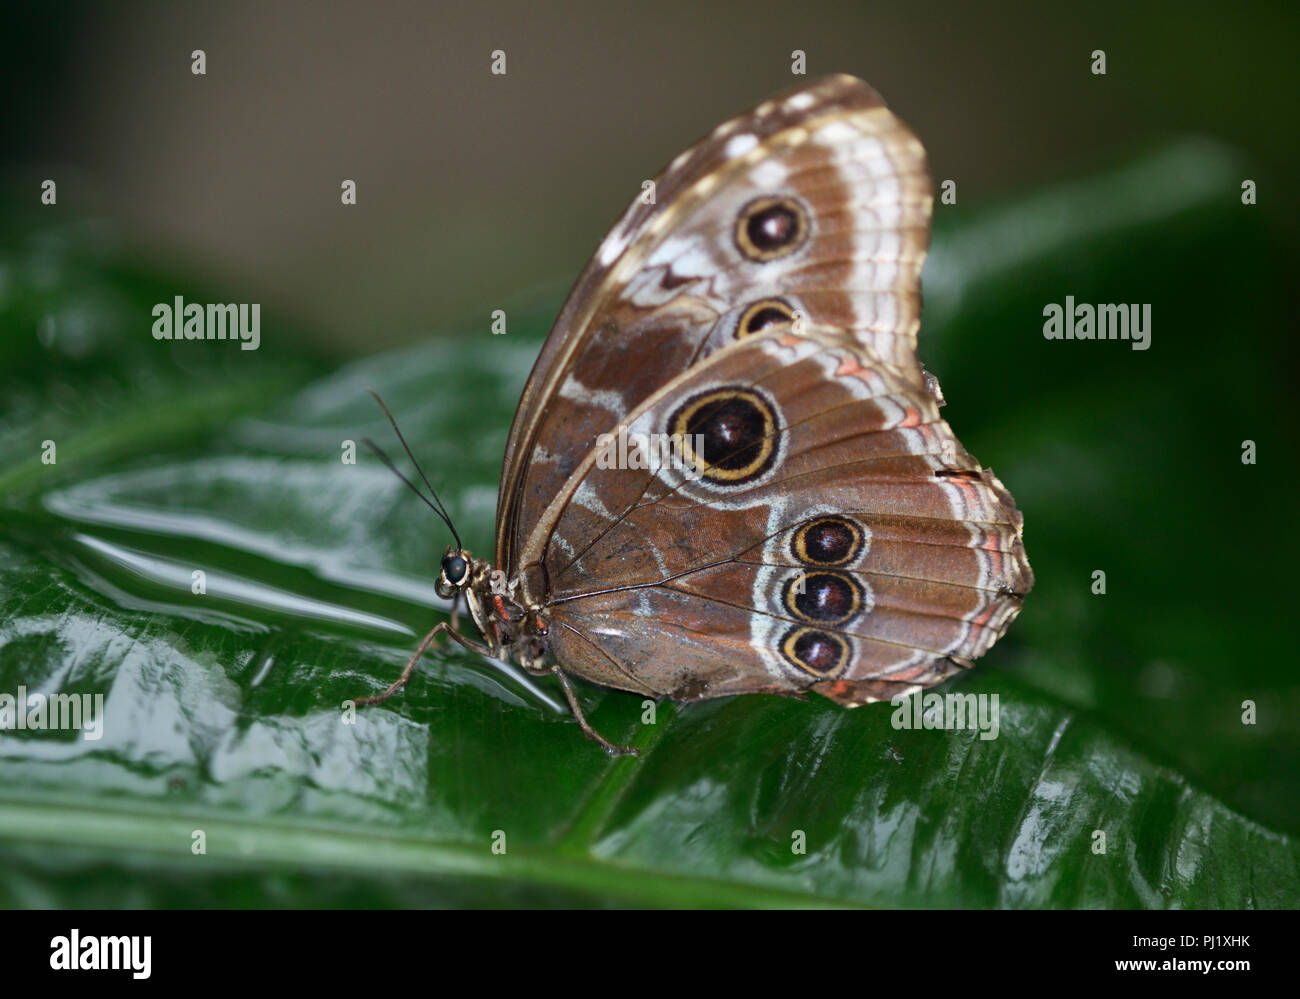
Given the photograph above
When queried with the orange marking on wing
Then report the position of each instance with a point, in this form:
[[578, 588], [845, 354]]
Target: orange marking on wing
[[910, 672], [840, 688], [982, 618], [968, 494]]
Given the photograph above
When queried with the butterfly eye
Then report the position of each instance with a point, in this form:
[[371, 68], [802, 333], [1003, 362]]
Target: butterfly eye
[[454, 568], [763, 315], [769, 228]]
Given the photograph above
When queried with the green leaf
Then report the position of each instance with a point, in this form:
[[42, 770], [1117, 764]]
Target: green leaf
[[1119, 713]]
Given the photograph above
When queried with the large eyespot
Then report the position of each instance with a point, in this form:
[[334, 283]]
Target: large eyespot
[[822, 597], [454, 568], [824, 654], [771, 227], [762, 315], [827, 541], [728, 434]]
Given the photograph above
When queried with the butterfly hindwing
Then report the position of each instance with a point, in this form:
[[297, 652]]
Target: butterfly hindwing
[[839, 537]]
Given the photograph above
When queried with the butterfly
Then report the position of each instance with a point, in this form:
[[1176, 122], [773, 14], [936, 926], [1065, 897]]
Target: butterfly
[[813, 525]]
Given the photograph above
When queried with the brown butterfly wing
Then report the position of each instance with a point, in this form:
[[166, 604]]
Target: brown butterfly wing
[[842, 541], [670, 285], [872, 554]]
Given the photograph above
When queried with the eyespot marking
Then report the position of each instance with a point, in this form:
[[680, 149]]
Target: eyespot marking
[[737, 430], [771, 227], [823, 654], [763, 314], [827, 541], [827, 598]]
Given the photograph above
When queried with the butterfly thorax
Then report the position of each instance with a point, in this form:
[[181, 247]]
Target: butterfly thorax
[[510, 625]]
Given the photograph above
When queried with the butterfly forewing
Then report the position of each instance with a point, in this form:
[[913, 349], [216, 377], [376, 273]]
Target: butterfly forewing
[[814, 207]]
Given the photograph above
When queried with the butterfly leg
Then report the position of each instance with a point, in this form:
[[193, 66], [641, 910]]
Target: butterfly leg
[[590, 732], [420, 650]]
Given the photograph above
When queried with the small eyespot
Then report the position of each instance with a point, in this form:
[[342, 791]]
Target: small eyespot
[[827, 541], [762, 315], [824, 654], [771, 227], [730, 434], [454, 568], [830, 598]]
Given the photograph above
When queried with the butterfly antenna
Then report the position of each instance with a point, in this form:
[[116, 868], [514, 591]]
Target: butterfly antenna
[[411, 485], [439, 509]]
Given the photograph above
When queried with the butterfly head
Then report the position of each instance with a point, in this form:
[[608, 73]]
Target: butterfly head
[[455, 575]]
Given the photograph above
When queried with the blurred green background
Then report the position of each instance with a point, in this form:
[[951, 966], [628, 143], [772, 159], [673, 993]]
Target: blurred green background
[[476, 192]]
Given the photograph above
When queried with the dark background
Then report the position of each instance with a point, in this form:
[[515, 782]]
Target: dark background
[[475, 189]]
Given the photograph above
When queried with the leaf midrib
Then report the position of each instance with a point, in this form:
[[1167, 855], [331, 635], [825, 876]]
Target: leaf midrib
[[269, 844]]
